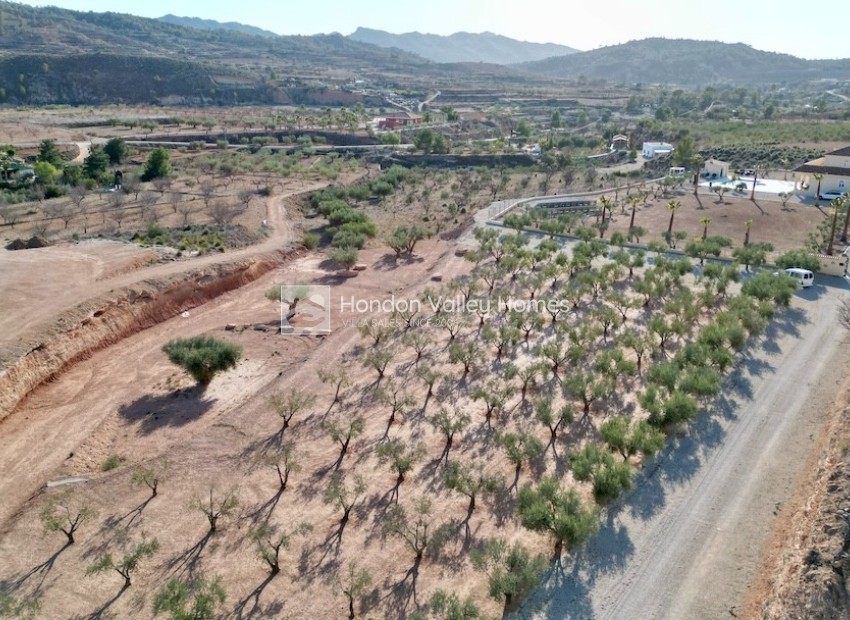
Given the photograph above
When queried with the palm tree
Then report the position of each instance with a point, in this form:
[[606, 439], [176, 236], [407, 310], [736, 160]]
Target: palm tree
[[749, 225], [705, 222], [759, 170], [835, 204], [672, 205], [846, 202], [697, 163], [633, 200], [819, 177]]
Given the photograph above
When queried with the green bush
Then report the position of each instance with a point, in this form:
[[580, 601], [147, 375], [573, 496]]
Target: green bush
[[310, 240], [202, 356], [113, 461], [798, 258]]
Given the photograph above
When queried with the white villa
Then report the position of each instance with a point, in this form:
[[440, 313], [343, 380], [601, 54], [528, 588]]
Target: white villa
[[653, 149], [715, 169], [835, 168]]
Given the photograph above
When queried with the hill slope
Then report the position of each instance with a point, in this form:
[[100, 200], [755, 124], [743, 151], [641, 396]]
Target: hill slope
[[211, 24], [463, 46], [687, 62], [39, 45]]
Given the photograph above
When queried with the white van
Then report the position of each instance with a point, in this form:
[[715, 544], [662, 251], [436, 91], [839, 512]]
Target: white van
[[804, 276]]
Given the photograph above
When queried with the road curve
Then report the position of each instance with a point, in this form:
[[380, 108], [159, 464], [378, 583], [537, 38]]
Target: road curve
[[685, 543]]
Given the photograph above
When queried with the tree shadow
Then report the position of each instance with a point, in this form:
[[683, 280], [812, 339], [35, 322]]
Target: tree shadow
[[264, 511], [99, 613], [39, 572], [187, 562], [401, 594], [134, 515], [242, 610], [176, 408]]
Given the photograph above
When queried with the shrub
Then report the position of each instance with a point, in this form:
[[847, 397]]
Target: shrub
[[310, 240], [202, 356], [798, 258], [113, 461]]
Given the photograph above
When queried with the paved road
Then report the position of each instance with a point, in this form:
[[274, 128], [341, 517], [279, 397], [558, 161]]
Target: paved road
[[685, 543]]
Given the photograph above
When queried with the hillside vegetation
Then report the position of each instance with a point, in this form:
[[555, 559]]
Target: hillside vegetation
[[687, 62]]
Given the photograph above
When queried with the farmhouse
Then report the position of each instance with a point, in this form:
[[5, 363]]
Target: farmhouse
[[401, 119], [653, 149], [714, 169], [835, 168]]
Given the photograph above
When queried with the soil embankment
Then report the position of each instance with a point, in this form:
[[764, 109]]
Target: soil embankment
[[105, 320], [806, 566]]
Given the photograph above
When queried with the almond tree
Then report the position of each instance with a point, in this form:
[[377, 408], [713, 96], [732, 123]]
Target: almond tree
[[343, 493], [470, 480], [520, 448], [337, 377], [288, 404], [397, 399], [66, 513], [466, 354], [495, 393], [449, 423], [417, 530], [512, 571], [609, 478], [215, 506], [378, 360], [352, 584], [128, 564], [628, 439], [550, 508], [269, 540], [343, 431], [151, 475], [197, 600], [400, 456], [430, 376], [419, 340], [552, 419], [283, 459]]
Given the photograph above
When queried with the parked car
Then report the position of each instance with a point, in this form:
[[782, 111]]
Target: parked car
[[805, 277]]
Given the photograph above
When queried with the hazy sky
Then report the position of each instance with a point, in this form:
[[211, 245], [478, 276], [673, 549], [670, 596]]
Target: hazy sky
[[810, 29]]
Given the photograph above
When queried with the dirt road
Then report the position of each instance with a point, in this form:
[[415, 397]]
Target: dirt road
[[686, 542]]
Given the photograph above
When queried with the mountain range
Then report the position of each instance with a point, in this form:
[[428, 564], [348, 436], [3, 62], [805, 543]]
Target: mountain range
[[463, 46], [687, 62], [50, 55]]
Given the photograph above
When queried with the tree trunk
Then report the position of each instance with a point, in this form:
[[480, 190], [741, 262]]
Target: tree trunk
[[670, 226]]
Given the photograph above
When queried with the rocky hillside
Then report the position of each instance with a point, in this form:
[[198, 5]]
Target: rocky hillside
[[688, 63], [51, 55], [463, 46]]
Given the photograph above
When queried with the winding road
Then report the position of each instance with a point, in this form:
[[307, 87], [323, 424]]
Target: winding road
[[686, 542]]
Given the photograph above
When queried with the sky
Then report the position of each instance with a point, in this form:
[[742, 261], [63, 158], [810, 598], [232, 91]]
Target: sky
[[811, 29]]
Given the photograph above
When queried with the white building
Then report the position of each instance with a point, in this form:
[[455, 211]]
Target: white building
[[715, 169], [653, 149], [835, 168]]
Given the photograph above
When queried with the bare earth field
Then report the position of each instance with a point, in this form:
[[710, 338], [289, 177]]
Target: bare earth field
[[663, 552]]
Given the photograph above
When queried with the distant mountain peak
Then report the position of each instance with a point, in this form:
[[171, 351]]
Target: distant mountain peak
[[211, 24], [486, 47]]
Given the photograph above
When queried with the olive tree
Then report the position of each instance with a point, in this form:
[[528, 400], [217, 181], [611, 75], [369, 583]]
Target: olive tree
[[202, 356]]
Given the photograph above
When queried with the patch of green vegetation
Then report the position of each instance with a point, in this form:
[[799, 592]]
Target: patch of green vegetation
[[113, 461], [197, 238]]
